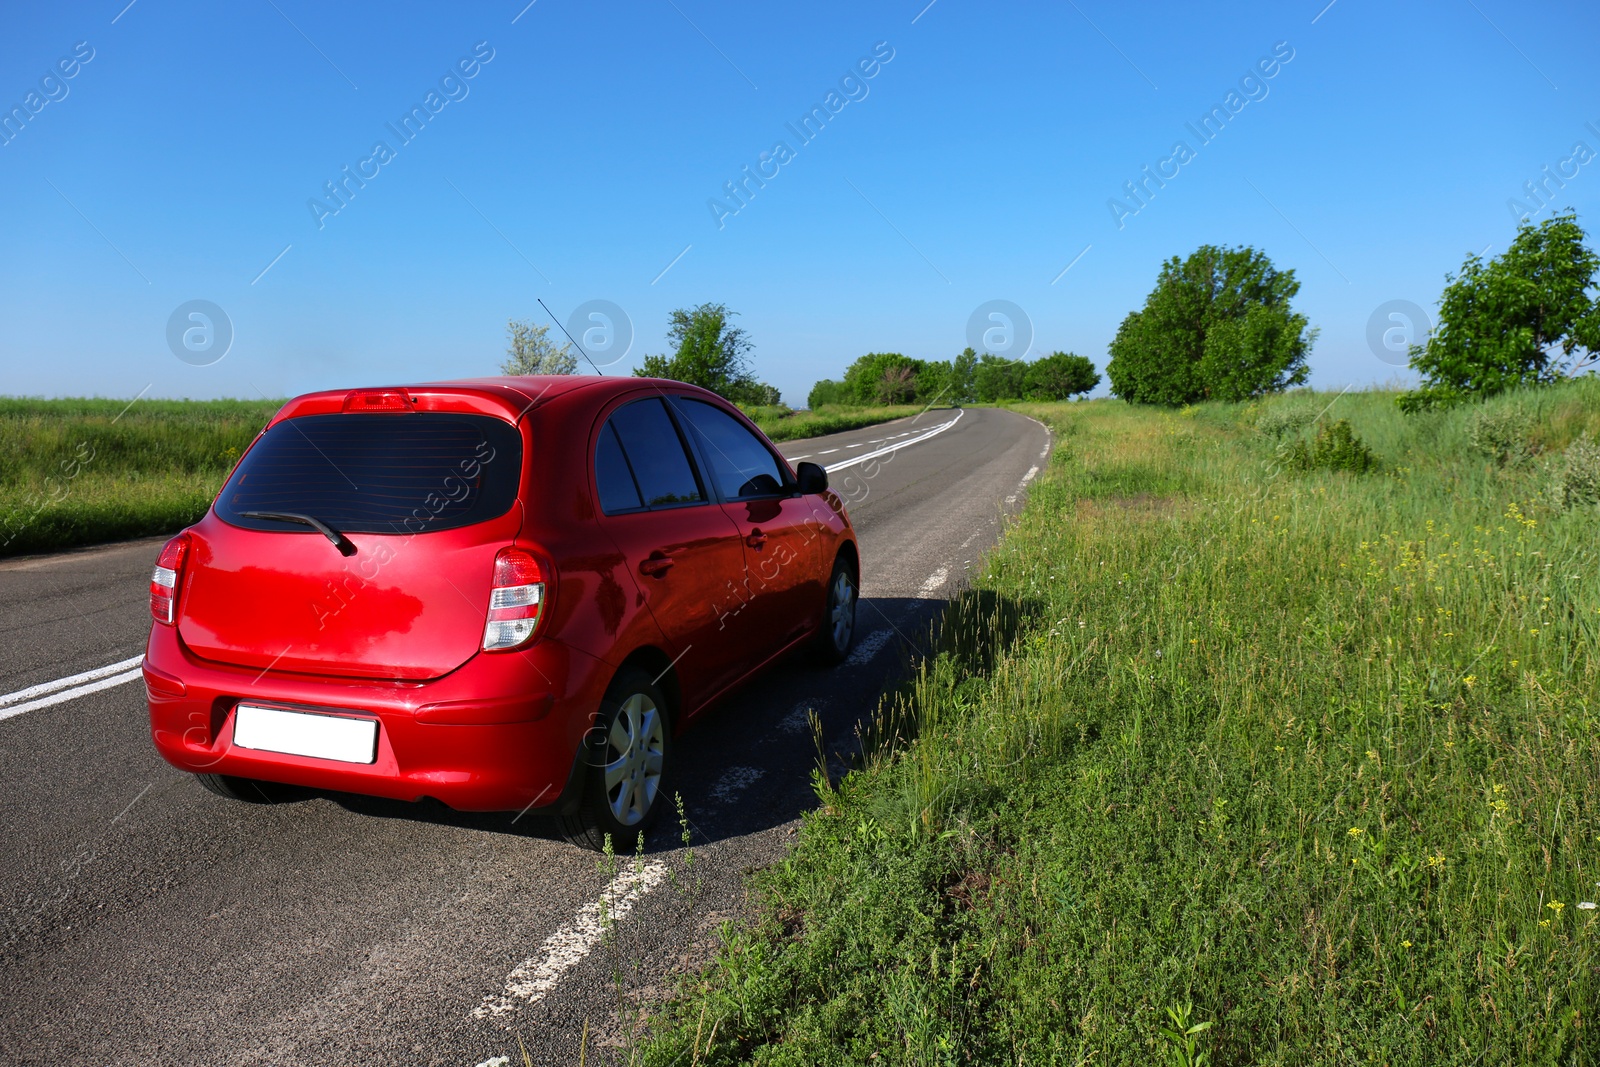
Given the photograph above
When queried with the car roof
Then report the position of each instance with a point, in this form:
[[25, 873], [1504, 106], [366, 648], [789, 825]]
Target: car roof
[[507, 396]]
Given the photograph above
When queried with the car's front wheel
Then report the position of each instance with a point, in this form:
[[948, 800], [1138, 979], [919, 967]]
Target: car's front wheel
[[629, 753], [838, 629]]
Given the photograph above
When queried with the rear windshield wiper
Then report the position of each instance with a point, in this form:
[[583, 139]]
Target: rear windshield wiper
[[345, 546]]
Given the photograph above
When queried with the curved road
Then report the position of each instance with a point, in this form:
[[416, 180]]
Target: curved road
[[145, 921]]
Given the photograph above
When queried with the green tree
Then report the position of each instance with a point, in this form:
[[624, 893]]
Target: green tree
[[709, 352], [1523, 318], [962, 369], [827, 391], [866, 378], [1218, 325], [1058, 376], [530, 352], [999, 379]]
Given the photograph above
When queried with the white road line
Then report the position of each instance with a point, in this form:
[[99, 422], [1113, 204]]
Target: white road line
[[935, 580], [858, 444], [71, 694], [533, 979], [827, 451], [863, 457], [1026, 478], [70, 688], [870, 646], [62, 683], [735, 781], [798, 721], [971, 539], [791, 459]]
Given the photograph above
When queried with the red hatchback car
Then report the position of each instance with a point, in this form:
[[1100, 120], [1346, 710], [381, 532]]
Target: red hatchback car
[[502, 593]]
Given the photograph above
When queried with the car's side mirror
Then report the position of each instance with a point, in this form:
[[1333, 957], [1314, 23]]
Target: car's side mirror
[[812, 479]]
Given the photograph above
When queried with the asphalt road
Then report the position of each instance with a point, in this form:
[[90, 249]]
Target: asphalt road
[[145, 921]]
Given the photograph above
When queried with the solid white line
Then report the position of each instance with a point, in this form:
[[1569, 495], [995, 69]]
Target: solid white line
[[935, 580], [533, 979], [853, 460], [870, 646], [71, 694], [63, 683]]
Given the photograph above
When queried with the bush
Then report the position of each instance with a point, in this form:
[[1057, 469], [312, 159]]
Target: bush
[[1281, 420], [1335, 448], [1575, 475], [1503, 433]]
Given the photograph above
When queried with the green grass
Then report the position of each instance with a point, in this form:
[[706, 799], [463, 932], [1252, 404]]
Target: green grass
[[77, 472], [1313, 758], [781, 424]]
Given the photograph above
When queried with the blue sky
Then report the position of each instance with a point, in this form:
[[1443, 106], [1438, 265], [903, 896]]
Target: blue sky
[[577, 163]]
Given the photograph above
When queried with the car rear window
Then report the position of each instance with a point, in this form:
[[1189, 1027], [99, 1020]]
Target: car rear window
[[371, 473]]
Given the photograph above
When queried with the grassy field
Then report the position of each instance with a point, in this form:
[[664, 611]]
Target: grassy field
[[77, 472], [781, 424], [80, 472], [1218, 763]]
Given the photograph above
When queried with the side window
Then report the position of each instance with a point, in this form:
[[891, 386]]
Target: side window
[[740, 464], [618, 492], [654, 450]]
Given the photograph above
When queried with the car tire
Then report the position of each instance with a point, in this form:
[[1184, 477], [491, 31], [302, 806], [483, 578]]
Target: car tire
[[837, 631], [628, 756], [247, 790]]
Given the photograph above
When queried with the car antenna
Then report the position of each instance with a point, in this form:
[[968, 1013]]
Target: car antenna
[[571, 338]]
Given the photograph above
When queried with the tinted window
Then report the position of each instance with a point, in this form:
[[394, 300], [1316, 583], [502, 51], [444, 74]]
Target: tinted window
[[741, 466], [408, 473], [617, 489], [654, 450]]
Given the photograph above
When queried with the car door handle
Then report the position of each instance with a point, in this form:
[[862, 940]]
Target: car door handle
[[756, 538], [656, 565]]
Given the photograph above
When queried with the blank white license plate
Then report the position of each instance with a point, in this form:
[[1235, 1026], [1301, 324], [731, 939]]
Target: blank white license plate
[[299, 733]]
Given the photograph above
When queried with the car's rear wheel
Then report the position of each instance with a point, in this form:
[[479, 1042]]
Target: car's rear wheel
[[629, 754], [838, 629], [246, 789]]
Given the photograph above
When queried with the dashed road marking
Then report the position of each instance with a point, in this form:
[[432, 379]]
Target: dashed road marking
[[827, 451], [533, 979], [735, 781], [798, 721], [934, 582], [870, 646]]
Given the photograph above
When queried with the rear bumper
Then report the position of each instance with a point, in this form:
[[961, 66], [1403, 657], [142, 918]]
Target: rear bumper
[[501, 733]]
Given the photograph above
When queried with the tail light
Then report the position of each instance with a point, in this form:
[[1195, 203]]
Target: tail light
[[165, 578], [515, 602]]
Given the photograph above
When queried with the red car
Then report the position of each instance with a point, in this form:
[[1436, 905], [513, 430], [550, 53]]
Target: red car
[[503, 593]]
